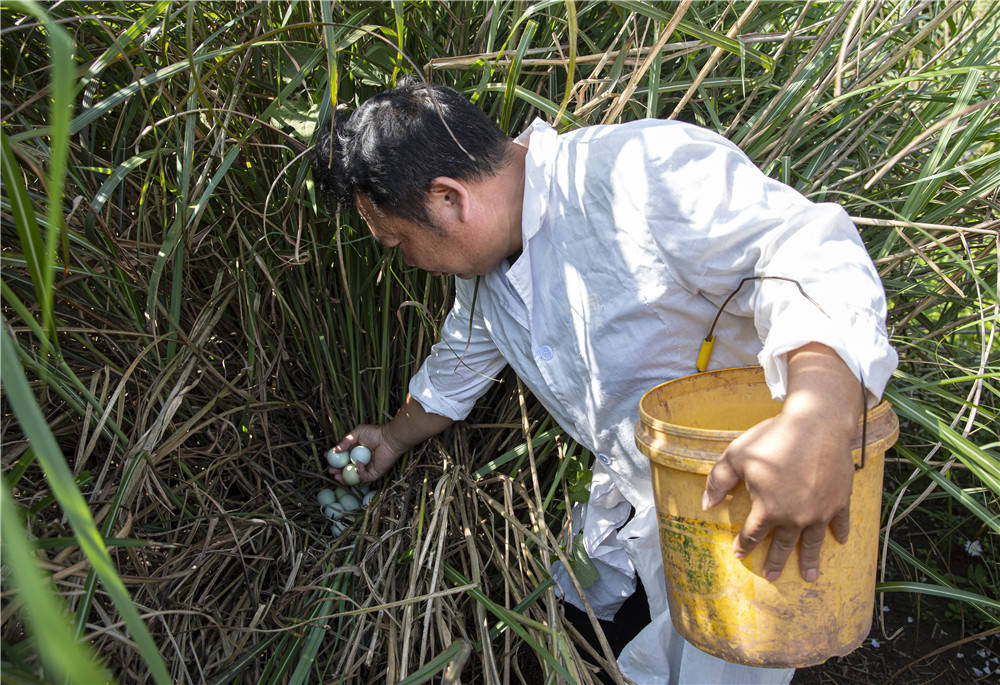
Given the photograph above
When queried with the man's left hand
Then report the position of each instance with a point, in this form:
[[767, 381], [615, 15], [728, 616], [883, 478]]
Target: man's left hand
[[797, 466]]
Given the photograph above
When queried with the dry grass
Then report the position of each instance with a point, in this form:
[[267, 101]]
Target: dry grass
[[212, 333]]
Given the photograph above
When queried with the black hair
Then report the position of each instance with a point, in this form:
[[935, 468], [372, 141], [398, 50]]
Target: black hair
[[397, 142]]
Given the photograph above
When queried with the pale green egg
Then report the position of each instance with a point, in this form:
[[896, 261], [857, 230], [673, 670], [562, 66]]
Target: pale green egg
[[361, 454], [333, 510], [338, 460], [349, 502], [326, 496], [350, 474]]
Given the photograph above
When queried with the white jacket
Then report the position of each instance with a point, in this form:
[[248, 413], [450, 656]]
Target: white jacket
[[633, 235]]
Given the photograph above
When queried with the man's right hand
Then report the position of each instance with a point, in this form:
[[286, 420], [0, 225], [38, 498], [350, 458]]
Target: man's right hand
[[384, 451], [410, 426]]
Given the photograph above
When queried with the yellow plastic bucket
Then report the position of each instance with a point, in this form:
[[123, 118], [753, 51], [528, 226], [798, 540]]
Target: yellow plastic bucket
[[724, 605]]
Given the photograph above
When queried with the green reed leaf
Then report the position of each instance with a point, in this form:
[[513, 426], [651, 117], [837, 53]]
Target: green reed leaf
[[63, 656], [60, 480]]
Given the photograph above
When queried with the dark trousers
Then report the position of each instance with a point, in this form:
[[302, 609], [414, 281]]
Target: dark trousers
[[632, 617]]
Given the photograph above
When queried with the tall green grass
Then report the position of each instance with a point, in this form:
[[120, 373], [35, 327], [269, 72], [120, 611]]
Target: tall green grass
[[187, 329]]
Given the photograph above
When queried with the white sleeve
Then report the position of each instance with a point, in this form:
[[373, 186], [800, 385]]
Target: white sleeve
[[462, 364], [825, 254], [729, 221]]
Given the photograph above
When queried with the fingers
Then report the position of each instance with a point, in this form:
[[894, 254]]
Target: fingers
[[783, 542], [345, 444], [754, 530], [782, 545], [348, 441], [721, 479], [369, 472], [841, 524], [809, 549]]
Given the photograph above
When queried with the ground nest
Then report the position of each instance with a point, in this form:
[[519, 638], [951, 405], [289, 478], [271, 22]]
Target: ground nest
[[240, 577]]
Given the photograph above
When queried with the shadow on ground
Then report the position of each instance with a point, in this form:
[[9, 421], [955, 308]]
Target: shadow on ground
[[911, 651]]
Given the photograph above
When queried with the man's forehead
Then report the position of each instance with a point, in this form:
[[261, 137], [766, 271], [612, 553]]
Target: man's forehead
[[377, 220], [365, 206], [367, 209]]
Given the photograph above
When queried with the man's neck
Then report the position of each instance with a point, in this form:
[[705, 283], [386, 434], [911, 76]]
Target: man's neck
[[510, 187], [502, 195]]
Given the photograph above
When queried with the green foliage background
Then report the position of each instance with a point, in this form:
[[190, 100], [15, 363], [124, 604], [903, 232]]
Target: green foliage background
[[186, 330]]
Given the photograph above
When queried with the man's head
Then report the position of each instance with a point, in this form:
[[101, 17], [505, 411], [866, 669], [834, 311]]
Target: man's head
[[397, 142], [430, 174]]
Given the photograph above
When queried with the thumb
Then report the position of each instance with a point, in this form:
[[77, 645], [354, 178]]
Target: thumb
[[721, 479]]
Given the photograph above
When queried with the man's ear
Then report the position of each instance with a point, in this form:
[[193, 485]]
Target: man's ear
[[450, 197]]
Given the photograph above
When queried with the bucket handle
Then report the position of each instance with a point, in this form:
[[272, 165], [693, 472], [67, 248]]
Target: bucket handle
[[705, 352]]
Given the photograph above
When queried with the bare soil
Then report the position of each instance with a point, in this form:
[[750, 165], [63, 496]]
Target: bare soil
[[910, 643], [914, 649]]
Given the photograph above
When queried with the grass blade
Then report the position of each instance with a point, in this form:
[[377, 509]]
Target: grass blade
[[64, 657], [60, 478], [939, 591]]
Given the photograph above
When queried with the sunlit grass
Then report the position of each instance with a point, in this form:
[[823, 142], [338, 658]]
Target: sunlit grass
[[195, 330]]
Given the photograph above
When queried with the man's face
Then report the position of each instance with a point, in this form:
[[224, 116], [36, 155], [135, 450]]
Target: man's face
[[473, 248]]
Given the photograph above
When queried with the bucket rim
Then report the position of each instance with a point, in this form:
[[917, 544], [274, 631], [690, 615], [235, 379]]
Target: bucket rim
[[874, 413], [651, 432], [687, 431]]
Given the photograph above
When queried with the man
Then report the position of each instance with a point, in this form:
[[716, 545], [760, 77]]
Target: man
[[593, 263]]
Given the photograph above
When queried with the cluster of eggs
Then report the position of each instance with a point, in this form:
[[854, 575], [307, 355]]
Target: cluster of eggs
[[348, 462], [340, 504]]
